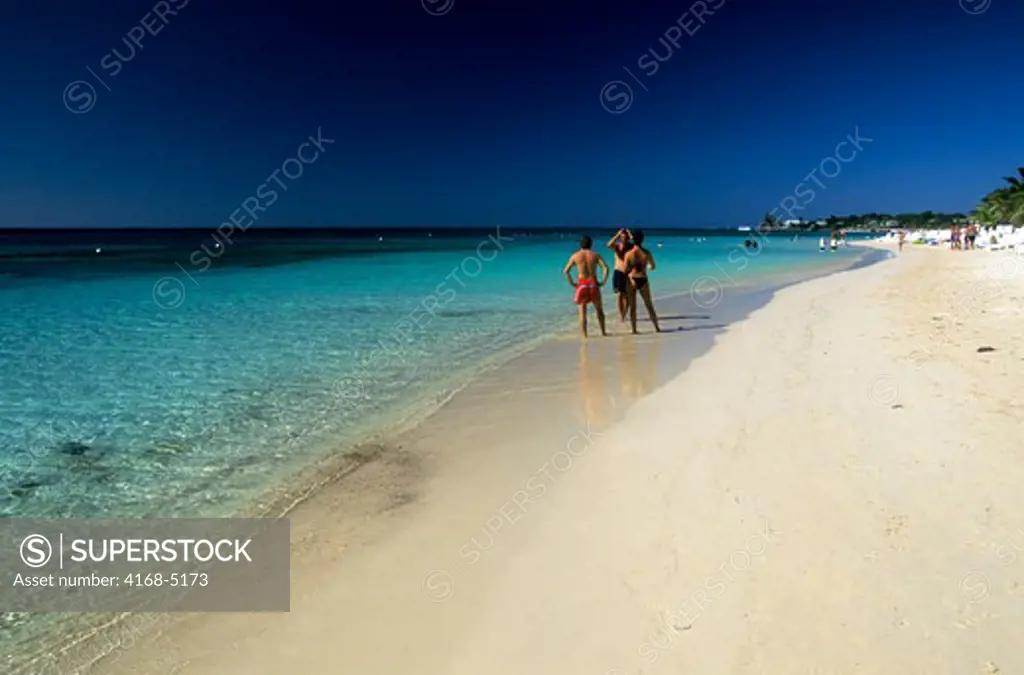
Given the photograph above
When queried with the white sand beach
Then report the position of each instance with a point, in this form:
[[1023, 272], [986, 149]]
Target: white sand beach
[[835, 487]]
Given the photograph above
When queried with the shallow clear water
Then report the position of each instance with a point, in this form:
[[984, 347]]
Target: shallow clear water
[[144, 381], [136, 382]]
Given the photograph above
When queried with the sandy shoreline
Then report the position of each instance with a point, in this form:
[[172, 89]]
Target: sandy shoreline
[[833, 488], [554, 382]]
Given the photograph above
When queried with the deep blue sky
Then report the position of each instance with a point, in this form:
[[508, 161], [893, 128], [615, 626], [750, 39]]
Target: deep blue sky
[[491, 113]]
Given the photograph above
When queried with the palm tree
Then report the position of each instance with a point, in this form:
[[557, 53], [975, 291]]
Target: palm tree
[[770, 222], [1016, 197], [1004, 205], [986, 213]]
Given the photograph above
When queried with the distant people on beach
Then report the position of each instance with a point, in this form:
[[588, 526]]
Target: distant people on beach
[[954, 238], [821, 244], [621, 243], [638, 261], [588, 287], [972, 235], [902, 239]]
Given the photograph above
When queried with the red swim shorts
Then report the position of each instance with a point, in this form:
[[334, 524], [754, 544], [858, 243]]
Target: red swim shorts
[[587, 291]]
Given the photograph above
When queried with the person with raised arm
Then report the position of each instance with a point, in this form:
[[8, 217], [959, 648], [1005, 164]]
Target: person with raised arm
[[621, 244]]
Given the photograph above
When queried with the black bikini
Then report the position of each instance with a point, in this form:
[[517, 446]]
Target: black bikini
[[640, 282]]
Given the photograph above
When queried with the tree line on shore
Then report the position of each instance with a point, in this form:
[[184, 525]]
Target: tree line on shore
[[1002, 206], [870, 221]]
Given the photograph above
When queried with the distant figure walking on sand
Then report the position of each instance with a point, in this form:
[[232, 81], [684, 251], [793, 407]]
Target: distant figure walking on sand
[[638, 261], [972, 234], [621, 244], [588, 288], [902, 239]]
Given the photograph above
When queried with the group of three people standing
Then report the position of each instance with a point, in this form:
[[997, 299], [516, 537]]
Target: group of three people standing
[[632, 261]]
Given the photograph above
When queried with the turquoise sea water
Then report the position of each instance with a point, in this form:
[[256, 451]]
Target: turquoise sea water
[[139, 381]]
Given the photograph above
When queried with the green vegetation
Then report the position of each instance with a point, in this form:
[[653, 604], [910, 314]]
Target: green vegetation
[[1004, 205], [871, 221]]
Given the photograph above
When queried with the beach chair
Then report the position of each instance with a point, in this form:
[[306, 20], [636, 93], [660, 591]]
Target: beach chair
[[1016, 242]]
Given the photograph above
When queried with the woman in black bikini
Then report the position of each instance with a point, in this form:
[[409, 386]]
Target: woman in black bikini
[[638, 261]]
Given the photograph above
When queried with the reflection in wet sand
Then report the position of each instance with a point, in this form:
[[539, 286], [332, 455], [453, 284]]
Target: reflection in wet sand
[[636, 370], [638, 366], [598, 405]]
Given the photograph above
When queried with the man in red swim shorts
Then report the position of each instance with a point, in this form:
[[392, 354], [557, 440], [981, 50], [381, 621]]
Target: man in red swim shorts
[[588, 288]]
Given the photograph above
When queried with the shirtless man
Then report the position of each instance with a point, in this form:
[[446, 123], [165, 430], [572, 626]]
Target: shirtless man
[[902, 238], [638, 261], [620, 244], [588, 288]]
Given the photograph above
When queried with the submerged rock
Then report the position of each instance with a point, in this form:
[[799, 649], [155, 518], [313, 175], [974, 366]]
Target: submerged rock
[[25, 488], [73, 448]]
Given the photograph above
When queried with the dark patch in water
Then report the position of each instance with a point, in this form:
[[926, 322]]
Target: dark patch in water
[[466, 313], [73, 448], [367, 309], [25, 488]]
